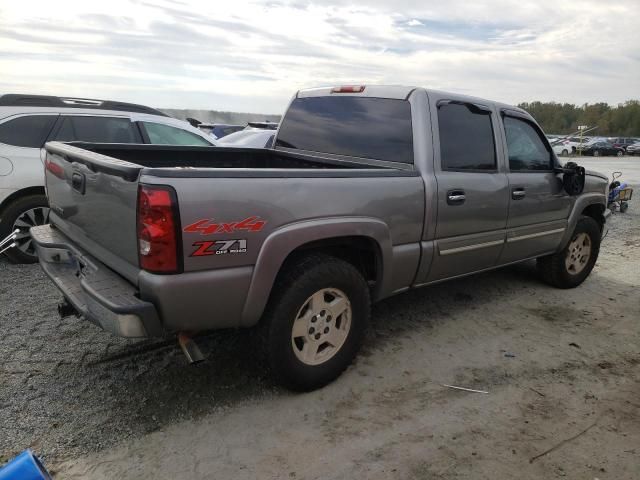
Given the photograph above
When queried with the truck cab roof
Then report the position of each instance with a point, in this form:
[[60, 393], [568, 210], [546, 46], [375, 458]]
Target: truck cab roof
[[398, 92]]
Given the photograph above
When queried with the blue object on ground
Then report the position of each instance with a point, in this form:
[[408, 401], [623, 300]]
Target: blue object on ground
[[25, 466]]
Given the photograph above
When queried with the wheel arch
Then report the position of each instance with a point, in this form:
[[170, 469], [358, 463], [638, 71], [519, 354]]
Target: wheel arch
[[363, 242], [589, 204], [24, 192], [595, 211]]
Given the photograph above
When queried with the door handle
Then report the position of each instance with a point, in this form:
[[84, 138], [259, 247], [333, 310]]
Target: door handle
[[456, 197], [518, 193]]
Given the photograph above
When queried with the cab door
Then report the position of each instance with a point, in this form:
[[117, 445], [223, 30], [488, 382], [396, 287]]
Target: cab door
[[472, 188], [538, 205]]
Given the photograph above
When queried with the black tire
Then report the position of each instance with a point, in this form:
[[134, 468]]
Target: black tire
[[294, 286], [9, 217], [620, 153], [553, 267], [596, 153], [624, 206], [565, 153]]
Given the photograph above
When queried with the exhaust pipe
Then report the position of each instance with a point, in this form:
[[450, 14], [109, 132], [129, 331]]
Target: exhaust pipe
[[190, 348], [65, 309]]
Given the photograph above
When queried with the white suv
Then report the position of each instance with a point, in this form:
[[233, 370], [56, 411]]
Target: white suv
[[28, 121]]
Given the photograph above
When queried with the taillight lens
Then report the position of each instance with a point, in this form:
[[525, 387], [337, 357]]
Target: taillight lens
[[158, 242], [54, 168]]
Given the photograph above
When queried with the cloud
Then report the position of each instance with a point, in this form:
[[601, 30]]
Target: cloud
[[252, 56]]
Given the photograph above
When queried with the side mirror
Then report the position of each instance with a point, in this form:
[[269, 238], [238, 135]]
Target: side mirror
[[573, 177]]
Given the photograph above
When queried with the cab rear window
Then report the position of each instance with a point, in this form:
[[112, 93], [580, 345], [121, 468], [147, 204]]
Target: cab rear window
[[374, 128]]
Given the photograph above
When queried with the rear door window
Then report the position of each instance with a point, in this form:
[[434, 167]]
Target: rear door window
[[160, 134], [374, 128], [466, 138], [527, 150], [83, 128], [27, 131]]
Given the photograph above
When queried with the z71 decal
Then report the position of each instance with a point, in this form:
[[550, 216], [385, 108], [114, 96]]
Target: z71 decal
[[219, 247], [209, 226]]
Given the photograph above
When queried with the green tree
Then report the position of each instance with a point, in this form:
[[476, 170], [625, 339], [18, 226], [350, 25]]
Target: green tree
[[564, 118]]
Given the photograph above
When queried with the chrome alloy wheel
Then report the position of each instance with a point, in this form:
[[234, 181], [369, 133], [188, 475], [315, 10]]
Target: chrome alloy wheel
[[578, 253], [30, 218], [321, 326]]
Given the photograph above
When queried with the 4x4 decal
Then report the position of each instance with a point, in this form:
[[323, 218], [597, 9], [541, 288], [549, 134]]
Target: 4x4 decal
[[208, 226]]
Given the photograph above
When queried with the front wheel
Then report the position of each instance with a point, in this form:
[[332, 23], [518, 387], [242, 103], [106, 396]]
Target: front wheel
[[315, 322], [620, 153], [565, 153], [596, 153], [569, 267]]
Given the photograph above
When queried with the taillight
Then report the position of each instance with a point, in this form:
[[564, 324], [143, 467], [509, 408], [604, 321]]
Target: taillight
[[158, 242], [54, 168], [348, 89]]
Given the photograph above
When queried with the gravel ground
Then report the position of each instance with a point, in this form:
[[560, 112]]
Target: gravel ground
[[556, 364]]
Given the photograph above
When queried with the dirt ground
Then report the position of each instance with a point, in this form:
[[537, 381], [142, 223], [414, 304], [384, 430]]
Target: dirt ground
[[561, 368]]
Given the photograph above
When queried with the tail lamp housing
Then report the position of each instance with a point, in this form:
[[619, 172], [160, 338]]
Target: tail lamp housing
[[158, 229]]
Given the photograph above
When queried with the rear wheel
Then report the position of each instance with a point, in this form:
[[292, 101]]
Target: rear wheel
[[620, 153], [565, 153], [596, 153], [315, 322], [573, 264], [21, 215]]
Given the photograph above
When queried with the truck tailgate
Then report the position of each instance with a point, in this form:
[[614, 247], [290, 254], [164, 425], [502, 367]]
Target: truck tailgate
[[93, 201]]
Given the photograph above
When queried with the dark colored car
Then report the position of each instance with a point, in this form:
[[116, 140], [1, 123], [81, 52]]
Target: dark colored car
[[598, 149]]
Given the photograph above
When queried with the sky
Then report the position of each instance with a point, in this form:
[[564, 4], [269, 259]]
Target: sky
[[251, 56]]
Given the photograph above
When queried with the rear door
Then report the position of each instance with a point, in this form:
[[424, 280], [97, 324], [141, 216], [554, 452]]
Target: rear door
[[538, 205], [472, 197]]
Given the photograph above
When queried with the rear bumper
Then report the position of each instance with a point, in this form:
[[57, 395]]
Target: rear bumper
[[96, 292]]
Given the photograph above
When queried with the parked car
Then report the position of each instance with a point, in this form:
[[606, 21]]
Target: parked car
[[28, 121], [633, 149], [267, 125], [249, 138], [219, 130], [622, 142], [568, 145], [600, 148], [368, 192]]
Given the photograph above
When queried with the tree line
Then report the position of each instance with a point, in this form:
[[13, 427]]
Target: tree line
[[564, 118]]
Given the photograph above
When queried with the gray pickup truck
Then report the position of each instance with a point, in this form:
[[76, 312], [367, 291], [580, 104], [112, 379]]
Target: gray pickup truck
[[368, 191]]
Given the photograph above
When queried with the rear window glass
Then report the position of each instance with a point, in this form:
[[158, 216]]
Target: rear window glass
[[97, 130], [375, 128], [28, 131]]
